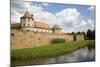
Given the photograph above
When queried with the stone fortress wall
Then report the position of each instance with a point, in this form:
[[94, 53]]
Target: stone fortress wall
[[29, 39]]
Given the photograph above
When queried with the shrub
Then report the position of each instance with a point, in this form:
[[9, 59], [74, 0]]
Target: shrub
[[58, 40]]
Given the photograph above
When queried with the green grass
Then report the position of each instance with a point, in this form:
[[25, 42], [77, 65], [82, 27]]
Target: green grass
[[49, 50]]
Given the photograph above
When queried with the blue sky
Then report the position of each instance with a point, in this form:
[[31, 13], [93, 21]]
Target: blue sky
[[70, 17]]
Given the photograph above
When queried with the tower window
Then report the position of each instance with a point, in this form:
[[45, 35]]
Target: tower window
[[28, 25], [24, 24], [23, 20], [27, 29], [29, 20]]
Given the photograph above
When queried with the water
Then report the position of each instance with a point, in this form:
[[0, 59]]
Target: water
[[81, 55]]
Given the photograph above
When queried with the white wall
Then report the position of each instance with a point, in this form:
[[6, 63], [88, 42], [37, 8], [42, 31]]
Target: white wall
[[36, 30]]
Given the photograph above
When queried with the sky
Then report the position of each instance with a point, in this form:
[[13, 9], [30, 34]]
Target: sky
[[70, 17]]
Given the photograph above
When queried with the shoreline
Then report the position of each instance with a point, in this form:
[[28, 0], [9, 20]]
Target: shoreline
[[49, 50]]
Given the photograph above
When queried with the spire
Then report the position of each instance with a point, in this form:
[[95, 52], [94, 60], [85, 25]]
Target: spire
[[27, 14]]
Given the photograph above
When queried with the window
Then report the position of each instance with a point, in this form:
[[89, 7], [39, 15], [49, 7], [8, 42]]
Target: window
[[28, 25], [29, 20], [27, 30], [23, 20], [26, 19], [12, 34], [23, 24]]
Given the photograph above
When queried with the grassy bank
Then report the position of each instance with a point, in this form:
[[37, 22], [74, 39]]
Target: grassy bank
[[49, 50]]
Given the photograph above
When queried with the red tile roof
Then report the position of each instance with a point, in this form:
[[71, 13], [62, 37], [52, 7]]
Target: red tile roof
[[39, 24]]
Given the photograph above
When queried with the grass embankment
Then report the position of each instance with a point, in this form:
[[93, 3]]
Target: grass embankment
[[49, 50]]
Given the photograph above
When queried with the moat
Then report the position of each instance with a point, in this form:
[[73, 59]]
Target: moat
[[80, 55]]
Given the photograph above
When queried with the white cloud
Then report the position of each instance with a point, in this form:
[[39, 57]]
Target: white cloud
[[33, 8], [15, 17], [69, 14], [69, 18], [92, 12], [18, 9], [45, 4], [46, 17], [91, 8], [73, 21], [36, 10], [85, 25]]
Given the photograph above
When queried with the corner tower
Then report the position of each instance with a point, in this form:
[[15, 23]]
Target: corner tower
[[27, 21], [56, 29]]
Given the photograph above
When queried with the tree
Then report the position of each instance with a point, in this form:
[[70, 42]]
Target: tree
[[72, 33], [93, 34], [78, 33], [90, 34]]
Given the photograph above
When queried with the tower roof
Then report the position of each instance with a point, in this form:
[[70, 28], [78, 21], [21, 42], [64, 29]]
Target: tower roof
[[56, 26], [27, 15]]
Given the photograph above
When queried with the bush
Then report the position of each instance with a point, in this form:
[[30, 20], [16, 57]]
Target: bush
[[58, 40]]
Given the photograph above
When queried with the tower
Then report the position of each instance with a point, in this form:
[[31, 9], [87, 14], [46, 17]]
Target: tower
[[56, 29], [27, 21]]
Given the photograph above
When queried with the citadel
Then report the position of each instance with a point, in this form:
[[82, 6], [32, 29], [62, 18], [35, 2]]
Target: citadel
[[32, 33]]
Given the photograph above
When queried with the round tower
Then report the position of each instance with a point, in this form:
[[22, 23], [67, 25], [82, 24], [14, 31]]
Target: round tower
[[27, 21], [56, 29]]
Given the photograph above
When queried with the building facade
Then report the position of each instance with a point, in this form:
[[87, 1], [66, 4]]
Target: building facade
[[28, 23]]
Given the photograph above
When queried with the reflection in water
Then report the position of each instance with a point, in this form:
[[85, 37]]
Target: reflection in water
[[81, 55]]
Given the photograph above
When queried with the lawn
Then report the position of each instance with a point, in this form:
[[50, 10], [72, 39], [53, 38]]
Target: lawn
[[49, 50]]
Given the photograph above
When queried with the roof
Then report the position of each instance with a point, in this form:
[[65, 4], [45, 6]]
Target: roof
[[56, 26], [15, 25], [27, 15], [39, 24]]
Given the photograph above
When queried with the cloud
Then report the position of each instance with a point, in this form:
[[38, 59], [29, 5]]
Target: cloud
[[46, 17], [84, 25], [18, 9], [91, 8], [70, 19], [92, 12], [69, 14], [45, 4], [36, 10]]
